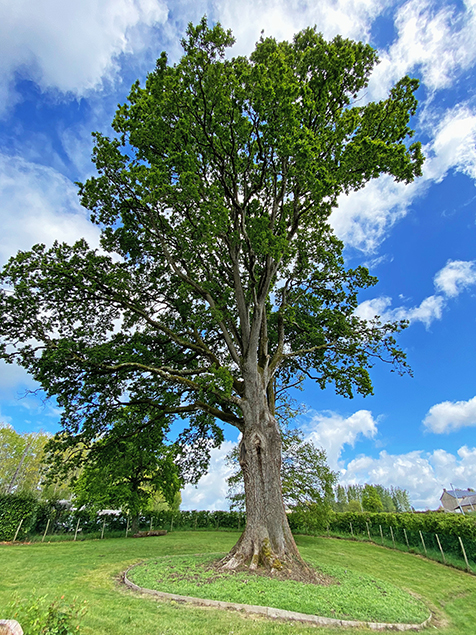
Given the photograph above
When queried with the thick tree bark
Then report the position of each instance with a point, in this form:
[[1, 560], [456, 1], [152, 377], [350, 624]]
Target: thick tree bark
[[267, 540], [135, 524]]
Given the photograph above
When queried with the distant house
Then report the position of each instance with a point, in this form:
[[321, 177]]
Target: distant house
[[459, 500]]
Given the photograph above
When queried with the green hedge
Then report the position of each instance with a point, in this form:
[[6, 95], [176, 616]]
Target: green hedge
[[310, 520], [430, 522], [449, 527], [199, 520], [410, 528], [14, 508]]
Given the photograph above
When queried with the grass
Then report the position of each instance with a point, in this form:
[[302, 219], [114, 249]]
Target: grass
[[353, 596], [433, 553], [88, 570]]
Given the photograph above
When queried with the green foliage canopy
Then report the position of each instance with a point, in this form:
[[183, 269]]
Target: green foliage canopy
[[125, 468], [354, 497], [371, 501]]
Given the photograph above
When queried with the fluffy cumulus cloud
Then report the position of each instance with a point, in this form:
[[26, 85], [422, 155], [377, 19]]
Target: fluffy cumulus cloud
[[70, 46], [429, 309], [211, 490], [332, 432], [38, 205], [74, 46], [448, 416], [437, 42], [454, 143], [450, 281], [456, 276], [283, 18], [423, 474], [363, 219]]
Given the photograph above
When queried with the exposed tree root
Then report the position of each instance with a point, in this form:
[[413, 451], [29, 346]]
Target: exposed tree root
[[262, 560]]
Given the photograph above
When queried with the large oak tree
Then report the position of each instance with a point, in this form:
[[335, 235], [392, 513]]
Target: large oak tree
[[220, 282]]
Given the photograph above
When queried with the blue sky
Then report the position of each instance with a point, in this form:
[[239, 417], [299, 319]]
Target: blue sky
[[64, 67]]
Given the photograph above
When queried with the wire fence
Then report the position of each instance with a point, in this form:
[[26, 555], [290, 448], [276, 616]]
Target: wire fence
[[79, 525], [64, 524], [448, 549]]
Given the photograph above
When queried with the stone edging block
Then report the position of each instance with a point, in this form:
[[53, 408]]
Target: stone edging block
[[274, 613], [10, 627]]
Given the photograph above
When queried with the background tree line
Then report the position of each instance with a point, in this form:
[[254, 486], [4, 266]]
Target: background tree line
[[22, 462], [371, 498], [121, 472], [109, 473]]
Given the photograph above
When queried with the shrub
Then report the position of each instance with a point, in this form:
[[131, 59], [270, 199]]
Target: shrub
[[312, 518], [41, 616]]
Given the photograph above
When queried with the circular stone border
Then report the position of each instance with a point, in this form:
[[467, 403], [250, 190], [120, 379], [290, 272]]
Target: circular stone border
[[271, 612]]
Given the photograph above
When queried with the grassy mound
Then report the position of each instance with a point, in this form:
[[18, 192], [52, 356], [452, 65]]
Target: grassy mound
[[352, 596]]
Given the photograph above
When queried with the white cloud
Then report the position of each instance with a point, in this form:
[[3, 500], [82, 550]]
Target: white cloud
[[380, 307], [448, 416], [38, 204], [437, 41], [283, 18], [67, 45], [450, 281], [211, 490], [73, 47], [370, 309], [456, 276], [438, 44], [430, 309], [331, 431], [364, 218], [14, 380], [423, 474], [453, 145]]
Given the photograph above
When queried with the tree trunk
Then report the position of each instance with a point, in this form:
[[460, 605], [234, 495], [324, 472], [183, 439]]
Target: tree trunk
[[135, 524], [19, 466], [267, 540]]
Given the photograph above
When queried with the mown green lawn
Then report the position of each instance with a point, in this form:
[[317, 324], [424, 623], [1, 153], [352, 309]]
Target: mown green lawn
[[88, 571]]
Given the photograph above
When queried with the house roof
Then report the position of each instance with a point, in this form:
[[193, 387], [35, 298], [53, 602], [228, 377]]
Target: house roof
[[461, 494]]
